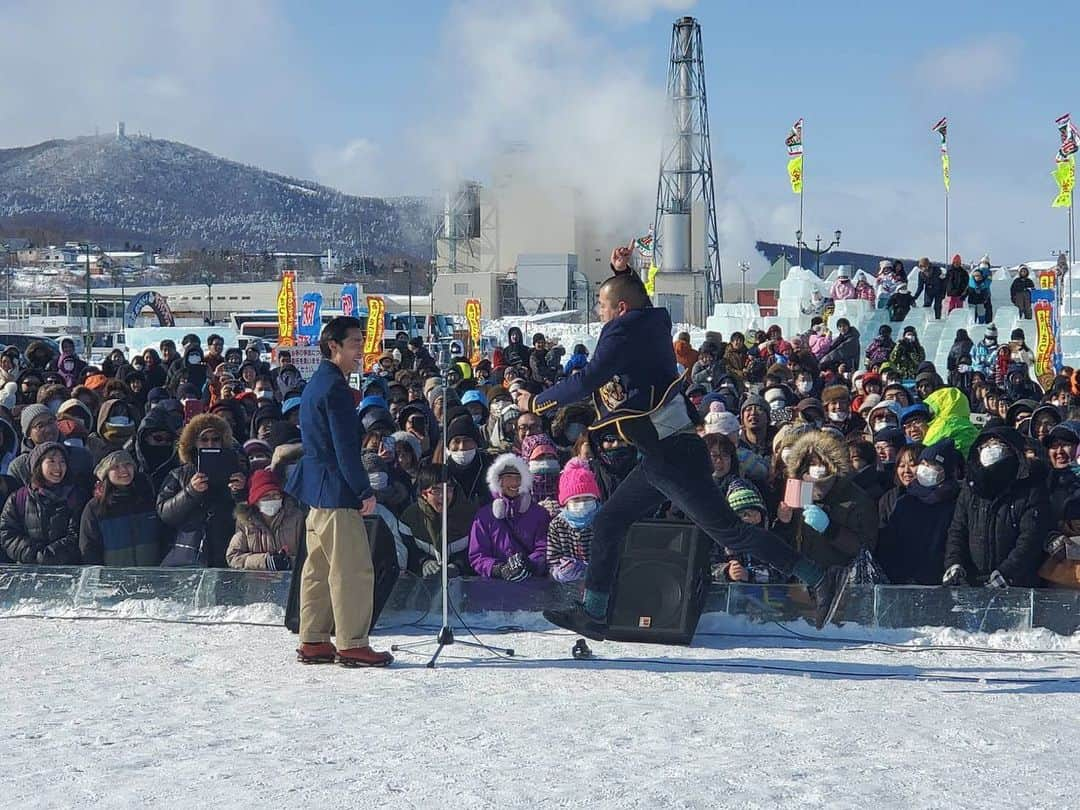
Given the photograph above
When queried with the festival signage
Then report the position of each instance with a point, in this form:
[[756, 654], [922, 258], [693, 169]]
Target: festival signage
[[1047, 327], [349, 296], [473, 311], [286, 309], [305, 358], [310, 322], [374, 334]]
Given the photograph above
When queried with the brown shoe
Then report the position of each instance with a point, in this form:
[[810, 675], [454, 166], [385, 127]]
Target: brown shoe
[[316, 653], [364, 657]]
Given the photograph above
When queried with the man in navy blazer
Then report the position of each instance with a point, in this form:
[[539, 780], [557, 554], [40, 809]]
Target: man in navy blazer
[[338, 579]]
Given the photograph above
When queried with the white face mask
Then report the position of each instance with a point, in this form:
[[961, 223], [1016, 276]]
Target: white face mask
[[193, 359], [73, 442], [839, 416], [804, 386], [991, 454], [929, 476], [270, 508], [963, 369], [378, 480], [264, 394], [817, 472], [785, 454], [880, 424], [463, 458], [583, 507]]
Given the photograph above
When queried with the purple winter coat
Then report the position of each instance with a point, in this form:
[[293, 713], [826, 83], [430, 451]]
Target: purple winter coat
[[491, 544]]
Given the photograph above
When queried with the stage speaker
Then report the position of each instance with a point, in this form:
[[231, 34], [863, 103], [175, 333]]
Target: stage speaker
[[662, 583]]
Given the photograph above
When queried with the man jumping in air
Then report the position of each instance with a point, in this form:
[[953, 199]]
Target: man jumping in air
[[635, 389]]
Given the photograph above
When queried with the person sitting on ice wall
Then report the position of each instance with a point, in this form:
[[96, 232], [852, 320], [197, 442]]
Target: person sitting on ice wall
[[508, 538]]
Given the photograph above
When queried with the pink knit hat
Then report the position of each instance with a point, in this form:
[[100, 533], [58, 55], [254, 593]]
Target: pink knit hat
[[577, 479]]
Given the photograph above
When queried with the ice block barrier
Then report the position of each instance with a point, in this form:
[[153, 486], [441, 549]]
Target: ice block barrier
[[196, 593]]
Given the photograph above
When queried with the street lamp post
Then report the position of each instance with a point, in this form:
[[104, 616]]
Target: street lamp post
[[85, 246], [819, 251], [744, 268], [208, 280]]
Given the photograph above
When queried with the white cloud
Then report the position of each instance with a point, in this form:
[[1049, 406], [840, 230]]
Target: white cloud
[[636, 11], [972, 67]]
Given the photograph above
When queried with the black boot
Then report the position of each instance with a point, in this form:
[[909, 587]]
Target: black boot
[[827, 594], [577, 620]]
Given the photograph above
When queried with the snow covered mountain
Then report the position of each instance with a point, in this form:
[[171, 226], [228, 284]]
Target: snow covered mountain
[[174, 196]]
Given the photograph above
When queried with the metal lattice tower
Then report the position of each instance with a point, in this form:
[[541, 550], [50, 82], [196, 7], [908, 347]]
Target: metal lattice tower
[[686, 171]]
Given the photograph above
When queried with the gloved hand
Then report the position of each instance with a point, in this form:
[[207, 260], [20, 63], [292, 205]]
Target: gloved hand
[[430, 568], [1055, 546], [568, 570], [955, 576], [514, 569], [279, 562], [996, 580], [814, 517]]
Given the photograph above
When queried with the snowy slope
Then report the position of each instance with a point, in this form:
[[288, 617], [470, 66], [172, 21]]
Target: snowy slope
[[120, 714]]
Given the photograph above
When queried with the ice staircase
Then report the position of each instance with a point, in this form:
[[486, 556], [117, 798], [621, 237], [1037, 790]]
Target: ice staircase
[[936, 336]]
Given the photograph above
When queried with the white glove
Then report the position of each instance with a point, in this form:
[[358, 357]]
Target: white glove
[[430, 568], [955, 576], [996, 580]]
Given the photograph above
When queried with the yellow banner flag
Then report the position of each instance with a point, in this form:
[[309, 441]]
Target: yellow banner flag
[[945, 170], [794, 170], [1065, 175], [650, 281]]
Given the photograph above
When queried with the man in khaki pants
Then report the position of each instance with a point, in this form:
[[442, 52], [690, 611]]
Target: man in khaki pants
[[338, 580]]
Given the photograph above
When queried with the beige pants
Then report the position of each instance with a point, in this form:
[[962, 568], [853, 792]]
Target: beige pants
[[338, 584]]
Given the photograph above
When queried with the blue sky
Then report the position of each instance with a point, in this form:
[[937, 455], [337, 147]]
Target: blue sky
[[396, 98]]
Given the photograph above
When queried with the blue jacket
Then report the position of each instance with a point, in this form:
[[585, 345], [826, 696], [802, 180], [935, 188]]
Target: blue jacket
[[630, 374], [330, 474]]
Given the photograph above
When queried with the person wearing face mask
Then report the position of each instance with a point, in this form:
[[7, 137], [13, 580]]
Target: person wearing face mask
[[842, 520], [612, 460], [465, 464], [269, 527], [570, 424], [116, 427], [1002, 517], [476, 404], [836, 400], [806, 385], [570, 531], [508, 537], [389, 491], [540, 453], [120, 525], [911, 544], [907, 354], [155, 444], [978, 293]]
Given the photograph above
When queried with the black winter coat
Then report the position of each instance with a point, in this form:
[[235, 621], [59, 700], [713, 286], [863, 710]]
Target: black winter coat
[[1004, 534], [41, 527], [845, 349], [911, 544], [931, 283], [956, 282], [183, 509]]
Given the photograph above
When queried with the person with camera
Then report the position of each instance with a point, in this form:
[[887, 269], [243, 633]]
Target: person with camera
[[338, 578]]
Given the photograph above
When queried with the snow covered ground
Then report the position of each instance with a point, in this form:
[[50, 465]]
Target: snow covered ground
[[126, 713]]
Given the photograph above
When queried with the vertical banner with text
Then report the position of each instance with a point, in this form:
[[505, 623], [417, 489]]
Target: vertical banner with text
[[310, 322], [286, 309], [473, 311], [349, 296], [1047, 327], [376, 322]]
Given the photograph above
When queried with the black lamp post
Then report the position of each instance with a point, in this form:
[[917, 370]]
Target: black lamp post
[[819, 251], [85, 246], [208, 280]]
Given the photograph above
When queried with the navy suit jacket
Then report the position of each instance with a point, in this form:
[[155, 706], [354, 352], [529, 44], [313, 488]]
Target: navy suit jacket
[[330, 474]]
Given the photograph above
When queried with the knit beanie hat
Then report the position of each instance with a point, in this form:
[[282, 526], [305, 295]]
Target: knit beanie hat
[[29, 414], [1016, 334], [39, 452], [945, 454], [577, 479], [373, 462], [537, 445], [464, 427], [991, 331], [256, 446], [835, 393], [262, 482], [743, 496], [718, 420], [909, 330], [282, 433], [114, 459]]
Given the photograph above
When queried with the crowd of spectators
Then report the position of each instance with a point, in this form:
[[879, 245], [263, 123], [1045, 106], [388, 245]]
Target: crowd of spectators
[[962, 475]]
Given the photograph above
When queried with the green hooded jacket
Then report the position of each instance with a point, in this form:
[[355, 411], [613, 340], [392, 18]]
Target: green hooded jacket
[[950, 417]]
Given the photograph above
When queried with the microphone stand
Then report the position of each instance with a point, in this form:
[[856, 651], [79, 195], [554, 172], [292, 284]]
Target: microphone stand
[[446, 634]]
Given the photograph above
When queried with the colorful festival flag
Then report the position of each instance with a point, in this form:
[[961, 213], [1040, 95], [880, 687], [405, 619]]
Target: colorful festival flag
[[644, 244], [942, 129], [650, 280], [310, 322], [349, 297], [286, 309], [794, 139], [1065, 175], [373, 335], [1070, 138], [794, 170]]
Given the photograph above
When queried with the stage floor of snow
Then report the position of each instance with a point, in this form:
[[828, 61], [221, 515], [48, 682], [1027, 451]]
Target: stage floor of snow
[[111, 714]]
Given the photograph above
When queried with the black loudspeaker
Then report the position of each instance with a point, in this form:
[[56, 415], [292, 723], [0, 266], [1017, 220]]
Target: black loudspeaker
[[662, 583]]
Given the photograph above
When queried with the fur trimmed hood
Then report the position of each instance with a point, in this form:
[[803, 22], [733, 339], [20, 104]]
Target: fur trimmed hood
[[501, 507], [185, 446], [830, 449]]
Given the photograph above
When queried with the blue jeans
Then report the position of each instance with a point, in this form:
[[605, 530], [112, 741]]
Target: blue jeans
[[679, 471]]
